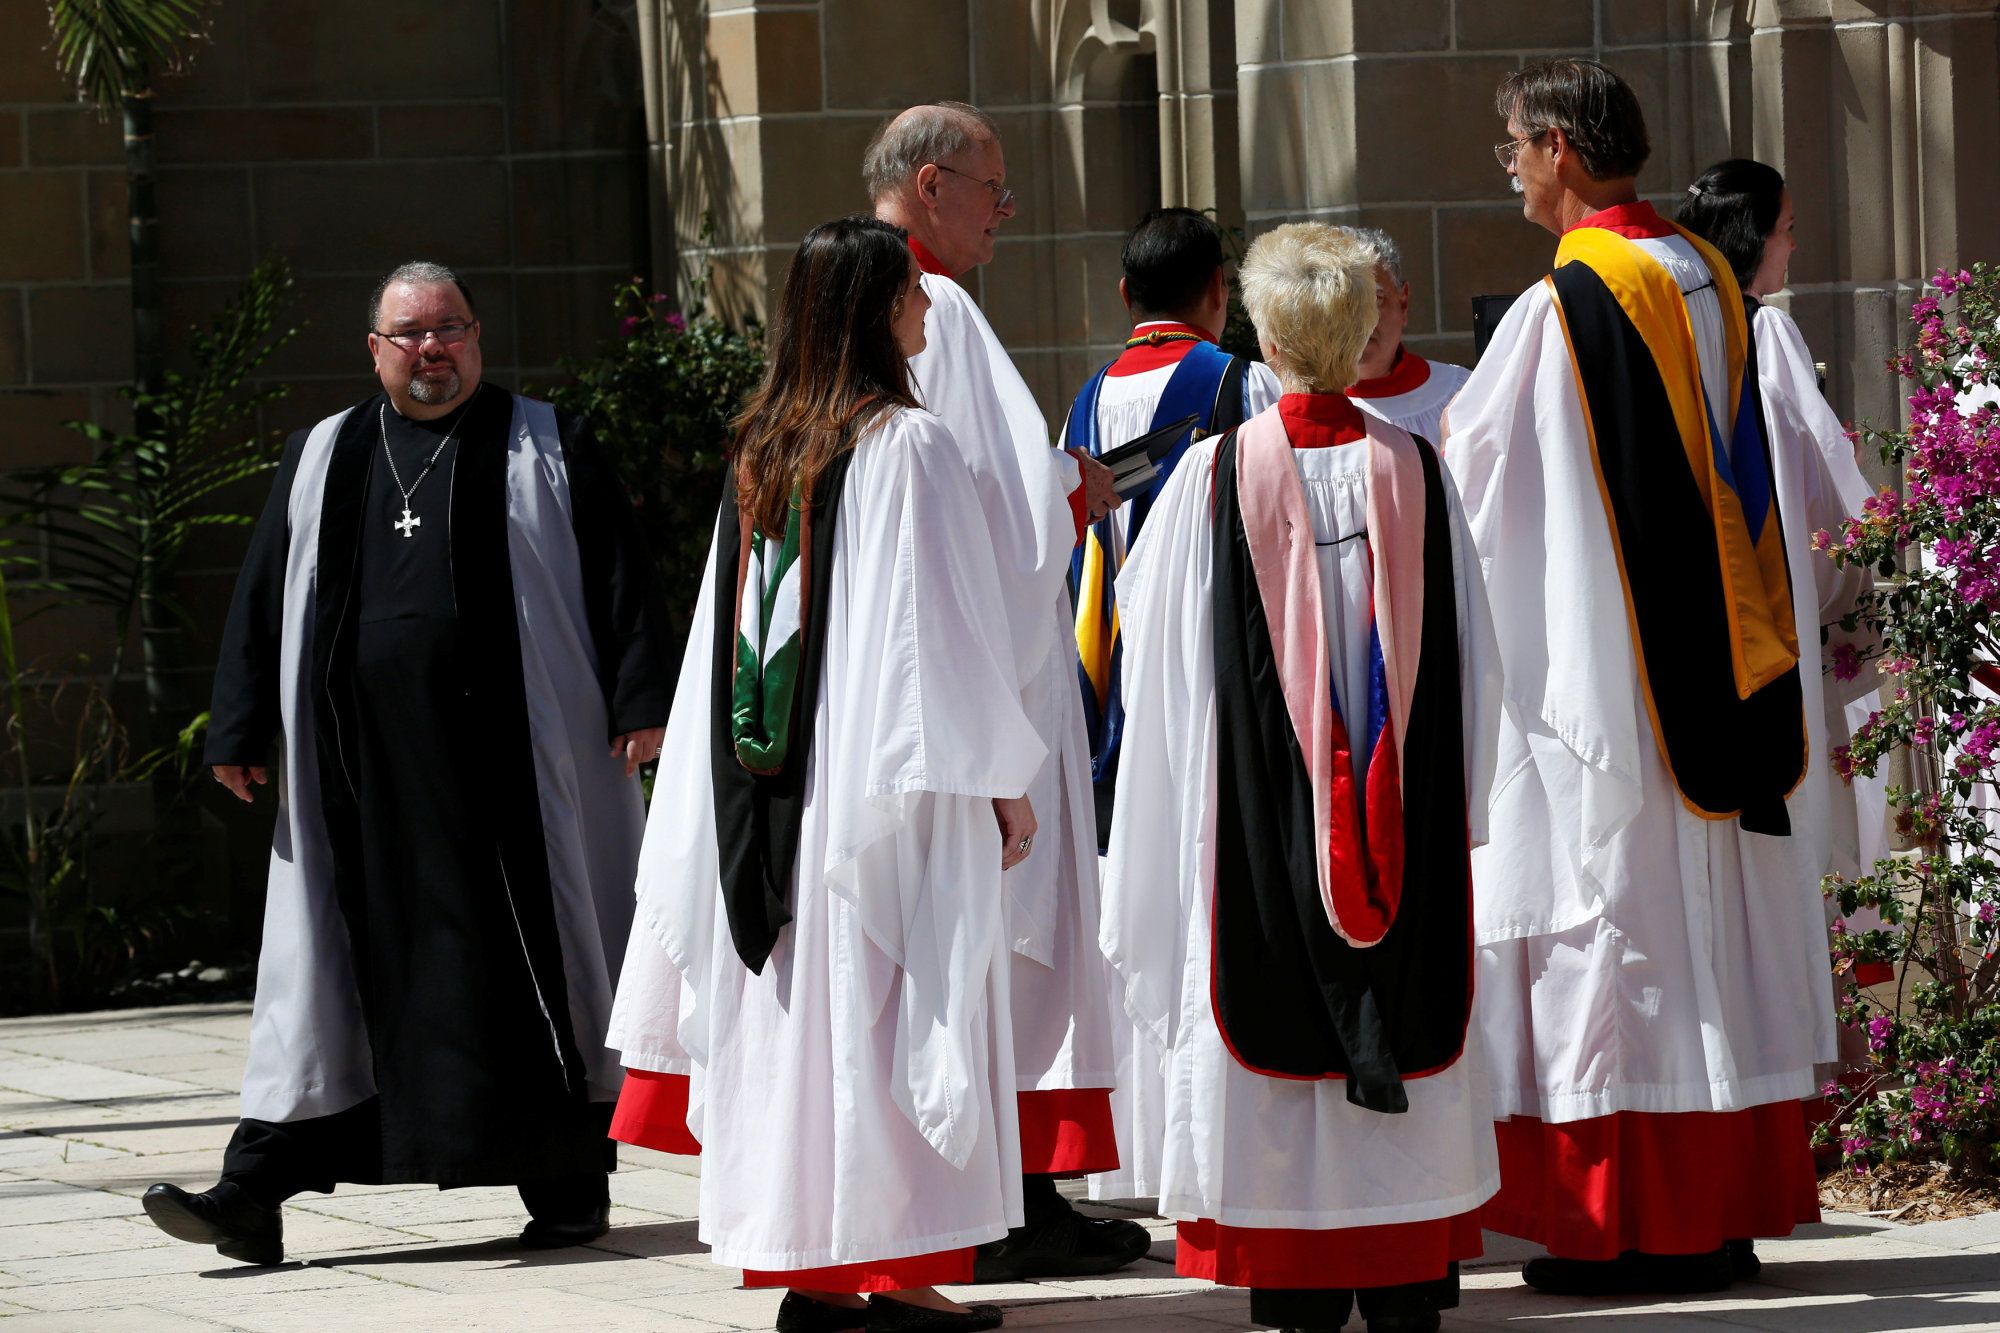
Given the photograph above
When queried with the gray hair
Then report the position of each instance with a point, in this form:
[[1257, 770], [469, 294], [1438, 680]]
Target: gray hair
[[934, 132], [423, 273], [1387, 253]]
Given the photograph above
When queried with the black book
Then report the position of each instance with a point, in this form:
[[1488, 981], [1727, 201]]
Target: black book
[[1135, 464]]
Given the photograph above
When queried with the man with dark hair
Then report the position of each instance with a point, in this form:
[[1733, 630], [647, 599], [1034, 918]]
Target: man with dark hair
[[1176, 286], [447, 616], [1653, 956], [1177, 289]]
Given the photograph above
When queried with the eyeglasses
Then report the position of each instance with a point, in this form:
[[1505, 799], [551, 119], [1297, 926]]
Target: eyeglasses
[[1006, 195], [1507, 152], [448, 335]]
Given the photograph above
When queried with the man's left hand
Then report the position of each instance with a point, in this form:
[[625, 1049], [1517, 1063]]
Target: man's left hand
[[639, 747], [1099, 498]]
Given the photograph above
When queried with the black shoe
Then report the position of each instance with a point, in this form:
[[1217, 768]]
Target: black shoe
[[1631, 1274], [1062, 1243], [887, 1315], [226, 1217], [803, 1314], [1744, 1264], [555, 1233]]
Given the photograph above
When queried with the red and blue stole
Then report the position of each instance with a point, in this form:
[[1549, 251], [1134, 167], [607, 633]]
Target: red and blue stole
[[1694, 523], [1343, 895], [1207, 384]]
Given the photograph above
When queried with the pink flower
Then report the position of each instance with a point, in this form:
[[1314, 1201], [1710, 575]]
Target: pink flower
[[1846, 661], [630, 326]]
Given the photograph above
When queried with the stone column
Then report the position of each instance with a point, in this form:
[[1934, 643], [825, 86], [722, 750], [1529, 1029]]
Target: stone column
[[765, 108]]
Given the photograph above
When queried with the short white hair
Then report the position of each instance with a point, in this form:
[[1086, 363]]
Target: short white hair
[[1310, 290], [1387, 253], [935, 132]]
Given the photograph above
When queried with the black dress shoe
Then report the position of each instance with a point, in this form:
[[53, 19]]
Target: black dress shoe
[[555, 1233], [803, 1314], [1061, 1243], [226, 1217], [1743, 1261], [888, 1315], [1631, 1274]]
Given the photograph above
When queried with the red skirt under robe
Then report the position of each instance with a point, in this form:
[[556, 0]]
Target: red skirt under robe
[[1339, 1258], [1662, 1184], [653, 1113]]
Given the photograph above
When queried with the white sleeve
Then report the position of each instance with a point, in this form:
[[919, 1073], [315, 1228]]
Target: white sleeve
[[1160, 860]]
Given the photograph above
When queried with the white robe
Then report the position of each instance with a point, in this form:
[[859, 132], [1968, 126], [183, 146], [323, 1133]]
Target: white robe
[[1418, 410], [1634, 957], [855, 1101], [1125, 408], [1062, 1012], [309, 1052], [1241, 1148]]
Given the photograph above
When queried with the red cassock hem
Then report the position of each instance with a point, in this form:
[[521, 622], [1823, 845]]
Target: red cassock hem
[[1339, 1258], [653, 1113], [919, 1270], [1663, 1184], [1067, 1132]]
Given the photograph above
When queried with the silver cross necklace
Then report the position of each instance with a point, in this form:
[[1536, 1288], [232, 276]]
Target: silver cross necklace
[[408, 524]]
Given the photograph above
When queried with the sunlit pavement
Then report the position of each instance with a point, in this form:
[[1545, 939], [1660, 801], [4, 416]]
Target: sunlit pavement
[[95, 1107]]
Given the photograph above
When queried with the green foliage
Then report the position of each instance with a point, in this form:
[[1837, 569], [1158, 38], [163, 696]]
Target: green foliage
[[659, 399], [111, 48], [109, 534], [110, 531], [1930, 1089]]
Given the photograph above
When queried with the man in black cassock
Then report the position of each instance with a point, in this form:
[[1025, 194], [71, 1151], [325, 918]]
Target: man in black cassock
[[448, 617]]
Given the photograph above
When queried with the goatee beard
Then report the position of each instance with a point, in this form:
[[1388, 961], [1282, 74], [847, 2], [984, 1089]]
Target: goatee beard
[[435, 393]]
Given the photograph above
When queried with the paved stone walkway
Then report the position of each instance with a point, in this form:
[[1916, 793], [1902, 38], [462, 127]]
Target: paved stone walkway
[[95, 1107]]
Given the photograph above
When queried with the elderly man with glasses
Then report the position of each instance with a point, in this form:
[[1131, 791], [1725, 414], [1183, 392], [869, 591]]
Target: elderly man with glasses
[[939, 171], [448, 618]]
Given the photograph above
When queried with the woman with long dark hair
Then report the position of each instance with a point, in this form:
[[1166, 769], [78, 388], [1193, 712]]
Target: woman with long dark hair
[[1743, 209], [820, 942]]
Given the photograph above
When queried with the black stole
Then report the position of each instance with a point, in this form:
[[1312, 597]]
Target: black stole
[[1293, 999], [757, 815], [1726, 753]]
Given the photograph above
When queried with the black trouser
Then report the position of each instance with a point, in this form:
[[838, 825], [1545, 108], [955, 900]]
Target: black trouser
[[1328, 1307], [271, 1161]]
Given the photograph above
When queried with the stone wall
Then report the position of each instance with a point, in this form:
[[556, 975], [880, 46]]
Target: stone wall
[[505, 139], [1884, 115], [763, 110]]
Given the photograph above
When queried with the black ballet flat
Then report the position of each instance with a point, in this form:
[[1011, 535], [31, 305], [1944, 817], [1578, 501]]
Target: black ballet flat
[[803, 1314], [886, 1315]]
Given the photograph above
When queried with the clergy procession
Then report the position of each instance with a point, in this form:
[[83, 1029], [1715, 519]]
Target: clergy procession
[[1352, 802]]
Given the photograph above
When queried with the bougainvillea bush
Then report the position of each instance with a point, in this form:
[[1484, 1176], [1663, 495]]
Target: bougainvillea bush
[[1931, 1089]]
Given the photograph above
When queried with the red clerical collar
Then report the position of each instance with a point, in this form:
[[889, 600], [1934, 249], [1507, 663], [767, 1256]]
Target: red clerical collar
[[1407, 375], [926, 260], [1320, 420], [1153, 355], [1635, 221]]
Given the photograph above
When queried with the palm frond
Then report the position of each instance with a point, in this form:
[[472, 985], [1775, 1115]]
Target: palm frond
[[111, 48]]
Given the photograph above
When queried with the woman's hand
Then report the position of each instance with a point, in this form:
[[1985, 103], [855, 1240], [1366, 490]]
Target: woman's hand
[[638, 747], [1017, 829]]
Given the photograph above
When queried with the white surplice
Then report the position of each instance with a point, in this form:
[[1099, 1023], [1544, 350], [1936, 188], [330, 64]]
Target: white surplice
[[1062, 1010], [1126, 405], [1241, 1148], [1633, 956], [1418, 410], [855, 1101]]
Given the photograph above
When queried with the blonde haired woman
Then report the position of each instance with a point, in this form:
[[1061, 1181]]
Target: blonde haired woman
[[1309, 739]]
